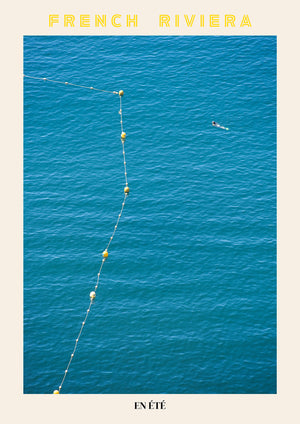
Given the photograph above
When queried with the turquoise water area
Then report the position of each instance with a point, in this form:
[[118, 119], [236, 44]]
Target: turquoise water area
[[187, 298]]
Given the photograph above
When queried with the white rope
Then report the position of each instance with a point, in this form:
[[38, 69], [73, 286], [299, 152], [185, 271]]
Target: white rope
[[105, 252], [69, 83]]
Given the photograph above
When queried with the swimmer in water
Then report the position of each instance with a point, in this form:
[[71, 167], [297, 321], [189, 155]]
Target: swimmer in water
[[215, 124]]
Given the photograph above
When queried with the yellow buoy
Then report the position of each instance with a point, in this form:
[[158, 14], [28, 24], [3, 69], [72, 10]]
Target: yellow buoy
[[121, 92], [123, 135], [56, 392], [126, 190], [105, 254], [92, 295]]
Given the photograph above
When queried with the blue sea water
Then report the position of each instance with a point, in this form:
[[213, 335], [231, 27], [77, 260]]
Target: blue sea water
[[187, 297]]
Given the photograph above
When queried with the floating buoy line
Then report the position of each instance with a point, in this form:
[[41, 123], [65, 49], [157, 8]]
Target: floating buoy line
[[92, 295]]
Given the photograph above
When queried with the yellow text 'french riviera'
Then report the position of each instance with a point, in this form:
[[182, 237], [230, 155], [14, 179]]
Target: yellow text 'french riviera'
[[163, 21]]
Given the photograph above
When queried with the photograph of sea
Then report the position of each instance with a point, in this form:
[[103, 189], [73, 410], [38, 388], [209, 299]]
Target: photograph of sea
[[186, 302]]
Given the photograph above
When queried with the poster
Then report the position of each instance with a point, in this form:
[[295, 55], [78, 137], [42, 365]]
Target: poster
[[167, 20]]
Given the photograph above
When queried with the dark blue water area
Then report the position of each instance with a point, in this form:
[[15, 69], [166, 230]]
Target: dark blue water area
[[187, 297]]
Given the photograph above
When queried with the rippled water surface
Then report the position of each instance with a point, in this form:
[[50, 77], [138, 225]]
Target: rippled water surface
[[187, 299]]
